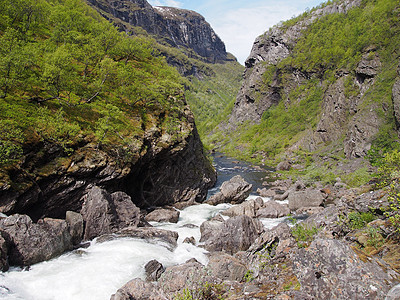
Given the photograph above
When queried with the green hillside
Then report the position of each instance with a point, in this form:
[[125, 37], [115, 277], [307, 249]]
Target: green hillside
[[67, 76], [332, 45]]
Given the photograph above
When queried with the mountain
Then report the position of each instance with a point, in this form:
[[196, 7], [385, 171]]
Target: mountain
[[179, 28], [320, 84]]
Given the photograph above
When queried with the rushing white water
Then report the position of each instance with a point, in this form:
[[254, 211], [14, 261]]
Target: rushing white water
[[95, 273]]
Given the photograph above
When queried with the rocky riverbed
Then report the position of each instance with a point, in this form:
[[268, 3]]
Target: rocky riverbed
[[314, 248]]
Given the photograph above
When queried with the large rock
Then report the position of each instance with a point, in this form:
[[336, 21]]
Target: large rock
[[163, 215], [75, 224], [234, 191], [30, 243], [233, 235], [307, 198], [248, 208], [330, 269], [226, 267], [273, 209], [3, 255], [151, 234], [105, 213], [137, 289]]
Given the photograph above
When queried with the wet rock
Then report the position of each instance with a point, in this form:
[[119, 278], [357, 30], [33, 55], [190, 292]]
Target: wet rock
[[151, 234], [138, 289], [233, 235], [273, 209], [163, 215], [330, 269], [190, 240], [75, 224], [3, 255], [234, 191], [248, 208], [106, 213], [154, 270], [307, 198], [226, 267], [29, 243]]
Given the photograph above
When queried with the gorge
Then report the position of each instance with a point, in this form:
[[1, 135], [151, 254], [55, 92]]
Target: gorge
[[108, 191]]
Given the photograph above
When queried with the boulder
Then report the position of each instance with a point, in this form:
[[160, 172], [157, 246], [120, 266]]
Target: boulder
[[234, 191], [284, 166], [153, 269], [233, 235], [330, 269], [394, 293], [273, 209], [75, 225], [106, 213], [151, 234], [138, 289], [163, 215], [190, 240], [3, 255], [191, 275], [306, 198], [226, 267], [248, 208], [30, 243]]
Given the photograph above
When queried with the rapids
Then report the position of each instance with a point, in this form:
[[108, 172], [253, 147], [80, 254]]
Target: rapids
[[98, 271]]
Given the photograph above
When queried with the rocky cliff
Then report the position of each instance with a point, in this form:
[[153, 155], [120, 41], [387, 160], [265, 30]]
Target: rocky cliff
[[178, 28], [287, 69], [162, 170]]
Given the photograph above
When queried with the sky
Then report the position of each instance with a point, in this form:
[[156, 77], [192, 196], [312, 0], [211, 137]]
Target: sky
[[239, 22]]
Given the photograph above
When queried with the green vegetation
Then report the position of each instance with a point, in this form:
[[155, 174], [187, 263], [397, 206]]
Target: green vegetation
[[304, 234], [358, 220], [333, 44], [212, 98], [206, 291], [67, 74]]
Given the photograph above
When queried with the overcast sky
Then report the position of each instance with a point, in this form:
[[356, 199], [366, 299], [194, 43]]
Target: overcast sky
[[239, 22]]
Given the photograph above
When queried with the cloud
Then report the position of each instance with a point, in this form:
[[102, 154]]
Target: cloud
[[239, 28], [172, 3]]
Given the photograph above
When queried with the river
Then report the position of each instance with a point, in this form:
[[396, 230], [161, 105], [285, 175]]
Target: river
[[98, 271]]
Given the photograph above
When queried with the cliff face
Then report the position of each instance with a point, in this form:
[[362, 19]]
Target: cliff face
[[176, 27], [345, 118], [163, 170]]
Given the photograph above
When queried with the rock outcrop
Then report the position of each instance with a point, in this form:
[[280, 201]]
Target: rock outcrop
[[162, 171], [106, 213], [176, 27], [29, 243], [163, 215], [234, 191]]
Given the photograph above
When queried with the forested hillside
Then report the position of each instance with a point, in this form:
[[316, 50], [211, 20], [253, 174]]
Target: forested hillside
[[81, 99], [320, 85]]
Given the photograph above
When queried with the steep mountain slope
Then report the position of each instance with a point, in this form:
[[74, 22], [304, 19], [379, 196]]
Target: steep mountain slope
[[322, 83], [83, 104]]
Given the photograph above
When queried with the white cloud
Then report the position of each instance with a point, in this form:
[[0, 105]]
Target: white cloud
[[239, 28], [172, 3]]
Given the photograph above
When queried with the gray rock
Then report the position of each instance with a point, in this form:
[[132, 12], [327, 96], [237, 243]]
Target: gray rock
[[151, 234], [273, 209], [394, 293], [307, 198], [329, 269], [248, 208], [190, 240], [104, 213], [3, 255], [75, 224], [226, 267], [30, 243], [154, 270], [396, 100], [233, 235], [138, 289], [234, 191], [163, 215], [191, 275], [284, 166]]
